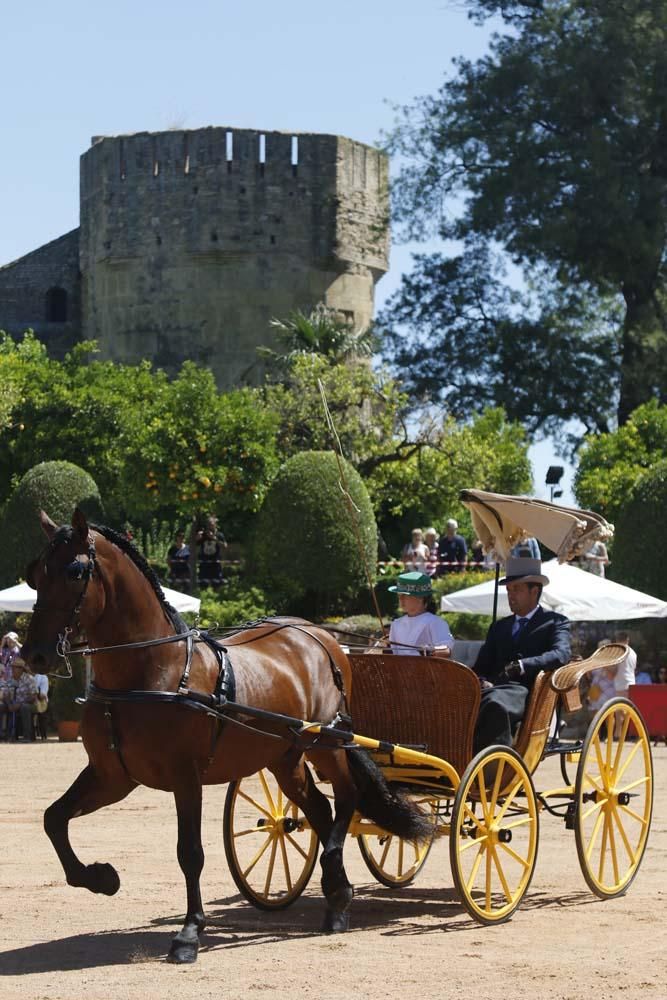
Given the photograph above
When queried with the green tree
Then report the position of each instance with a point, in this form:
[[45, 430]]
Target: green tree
[[455, 331], [611, 465], [55, 487], [322, 331], [554, 144], [639, 553], [304, 549], [155, 447]]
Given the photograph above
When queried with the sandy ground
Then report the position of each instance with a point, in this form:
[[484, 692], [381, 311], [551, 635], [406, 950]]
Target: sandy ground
[[60, 943]]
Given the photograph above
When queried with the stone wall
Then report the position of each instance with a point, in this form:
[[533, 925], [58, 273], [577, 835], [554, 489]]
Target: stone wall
[[42, 291], [191, 242]]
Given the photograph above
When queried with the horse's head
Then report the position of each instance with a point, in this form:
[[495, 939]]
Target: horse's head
[[64, 577]]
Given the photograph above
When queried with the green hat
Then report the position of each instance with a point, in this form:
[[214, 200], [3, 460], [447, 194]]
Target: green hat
[[415, 584]]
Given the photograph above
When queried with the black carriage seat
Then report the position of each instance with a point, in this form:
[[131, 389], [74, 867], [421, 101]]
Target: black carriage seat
[[419, 701]]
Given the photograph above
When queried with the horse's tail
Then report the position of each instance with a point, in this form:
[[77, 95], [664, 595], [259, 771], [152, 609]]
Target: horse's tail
[[392, 810]]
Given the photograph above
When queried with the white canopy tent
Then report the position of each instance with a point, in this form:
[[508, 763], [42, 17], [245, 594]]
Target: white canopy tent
[[21, 598], [580, 596]]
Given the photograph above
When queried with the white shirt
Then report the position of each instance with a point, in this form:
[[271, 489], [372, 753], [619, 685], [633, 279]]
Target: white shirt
[[424, 630], [625, 671]]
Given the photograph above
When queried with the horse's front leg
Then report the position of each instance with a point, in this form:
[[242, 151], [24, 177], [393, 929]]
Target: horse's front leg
[[90, 791], [190, 852]]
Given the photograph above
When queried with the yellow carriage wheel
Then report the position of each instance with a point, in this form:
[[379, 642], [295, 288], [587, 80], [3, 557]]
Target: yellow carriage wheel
[[494, 834], [613, 798], [270, 847], [392, 861]]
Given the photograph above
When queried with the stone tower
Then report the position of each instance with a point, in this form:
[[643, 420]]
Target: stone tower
[[192, 241]]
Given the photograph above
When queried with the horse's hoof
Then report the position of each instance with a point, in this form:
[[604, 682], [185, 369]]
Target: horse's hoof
[[102, 877], [336, 922], [182, 954]]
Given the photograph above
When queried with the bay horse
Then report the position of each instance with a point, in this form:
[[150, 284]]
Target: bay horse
[[92, 582]]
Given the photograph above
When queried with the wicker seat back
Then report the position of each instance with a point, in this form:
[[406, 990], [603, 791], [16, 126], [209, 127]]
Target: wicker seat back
[[416, 700], [533, 732]]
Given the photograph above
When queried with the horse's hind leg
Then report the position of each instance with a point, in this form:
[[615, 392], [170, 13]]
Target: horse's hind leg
[[188, 797], [296, 781], [88, 793]]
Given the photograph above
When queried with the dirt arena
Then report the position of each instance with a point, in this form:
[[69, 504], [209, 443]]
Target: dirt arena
[[59, 943]]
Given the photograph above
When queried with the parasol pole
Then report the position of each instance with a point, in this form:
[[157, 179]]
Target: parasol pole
[[352, 508], [495, 593]]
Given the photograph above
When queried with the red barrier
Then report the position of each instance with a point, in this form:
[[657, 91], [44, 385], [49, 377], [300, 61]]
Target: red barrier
[[651, 700]]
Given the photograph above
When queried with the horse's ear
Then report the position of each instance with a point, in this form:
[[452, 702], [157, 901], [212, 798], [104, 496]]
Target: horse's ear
[[48, 527], [79, 523]]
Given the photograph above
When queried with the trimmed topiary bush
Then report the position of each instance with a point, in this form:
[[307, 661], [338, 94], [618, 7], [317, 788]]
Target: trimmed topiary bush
[[303, 548], [640, 543], [55, 487]]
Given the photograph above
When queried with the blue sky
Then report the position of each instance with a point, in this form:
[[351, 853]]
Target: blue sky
[[73, 70]]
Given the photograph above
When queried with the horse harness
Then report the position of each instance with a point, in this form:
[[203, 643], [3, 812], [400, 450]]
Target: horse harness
[[220, 705]]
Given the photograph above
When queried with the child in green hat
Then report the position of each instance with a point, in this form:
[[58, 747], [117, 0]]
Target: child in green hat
[[419, 629]]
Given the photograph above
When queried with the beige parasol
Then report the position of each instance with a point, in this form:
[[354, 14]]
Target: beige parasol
[[501, 522]]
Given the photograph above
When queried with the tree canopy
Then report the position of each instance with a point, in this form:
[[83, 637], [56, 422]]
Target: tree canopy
[[553, 146]]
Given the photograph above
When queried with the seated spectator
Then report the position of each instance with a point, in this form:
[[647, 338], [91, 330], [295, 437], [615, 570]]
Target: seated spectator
[[661, 675], [9, 649], [414, 555], [209, 556], [431, 543], [452, 550], [419, 629], [529, 548], [602, 686], [477, 555], [178, 560], [19, 696]]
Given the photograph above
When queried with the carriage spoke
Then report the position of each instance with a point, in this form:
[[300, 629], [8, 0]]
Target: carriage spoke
[[501, 875], [258, 856], [475, 865], [610, 742], [286, 867], [624, 836], [488, 879], [474, 842], [253, 829], [603, 848], [483, 801], [496, 787], [634, 784], [593, 782], [400, 857], [518, 822], [511, 795], [634, 815], [516, 857], [621, 742], [269, 870], [601, 765], [254, 802], [594, 833], [612, 845], [297, 847], [467, 811], [628, 760], [267, 791], [596, 805], [385, 852]]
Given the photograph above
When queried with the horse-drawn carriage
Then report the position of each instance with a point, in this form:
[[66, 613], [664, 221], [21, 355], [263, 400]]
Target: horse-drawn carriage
[[425, 709], [249, 721]]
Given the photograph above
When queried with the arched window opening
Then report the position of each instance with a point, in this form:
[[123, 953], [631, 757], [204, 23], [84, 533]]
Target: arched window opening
[[56, 305]]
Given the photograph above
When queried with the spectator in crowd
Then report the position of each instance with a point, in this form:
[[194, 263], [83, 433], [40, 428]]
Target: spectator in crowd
[[210, 542], [529, 548], [661, 675], [178, 560], [452, 550], [42, 702], [431, 543], [645, 674], [414, 555], [419, 629], [9, 649], [601, 684], [595, 560], [625, 671], [477, 554], [19, 696]]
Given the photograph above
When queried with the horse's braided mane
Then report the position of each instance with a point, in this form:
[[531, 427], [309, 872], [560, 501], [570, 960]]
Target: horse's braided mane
[[130, 550]]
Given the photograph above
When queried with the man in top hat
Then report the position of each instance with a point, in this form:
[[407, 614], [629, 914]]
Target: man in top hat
[[516, 649]]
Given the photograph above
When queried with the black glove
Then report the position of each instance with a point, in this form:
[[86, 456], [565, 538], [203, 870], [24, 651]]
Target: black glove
[[512, 671]]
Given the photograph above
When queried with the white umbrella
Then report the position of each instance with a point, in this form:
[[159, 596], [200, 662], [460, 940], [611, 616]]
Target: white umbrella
[[21, 598], [580, 596]]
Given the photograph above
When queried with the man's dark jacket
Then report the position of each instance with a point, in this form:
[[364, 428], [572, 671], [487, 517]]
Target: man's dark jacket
[[542, 644]]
